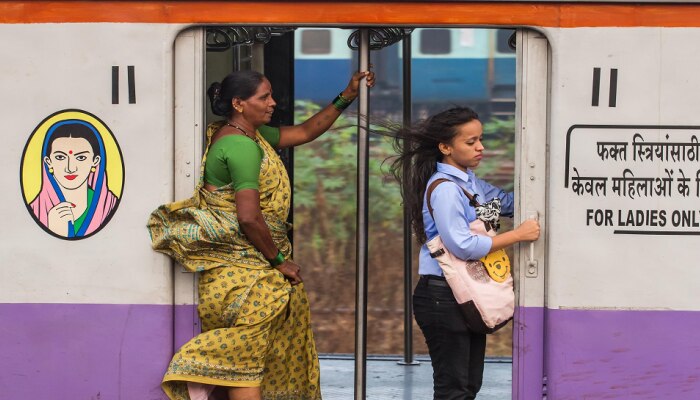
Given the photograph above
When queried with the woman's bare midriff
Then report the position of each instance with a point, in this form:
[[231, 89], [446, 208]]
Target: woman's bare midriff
[[209, 187]]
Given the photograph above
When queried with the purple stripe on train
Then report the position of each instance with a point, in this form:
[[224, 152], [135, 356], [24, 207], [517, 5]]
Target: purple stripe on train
[[527, 350], [90, 351], [616, 354], [85, 351]]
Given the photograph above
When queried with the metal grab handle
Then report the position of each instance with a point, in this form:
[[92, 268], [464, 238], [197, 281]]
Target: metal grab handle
[[531, 271]]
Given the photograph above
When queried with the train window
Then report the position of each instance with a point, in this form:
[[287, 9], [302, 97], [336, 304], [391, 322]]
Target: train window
[[316, 41], [435, 41], [502, 40], [466, 37]]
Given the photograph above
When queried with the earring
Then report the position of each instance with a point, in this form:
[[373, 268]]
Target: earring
[[92, 169], [239, 109], [50, 170]]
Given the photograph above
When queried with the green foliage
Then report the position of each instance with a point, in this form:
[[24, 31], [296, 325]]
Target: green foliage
[[499, 134], [325, 180], [499, 143]]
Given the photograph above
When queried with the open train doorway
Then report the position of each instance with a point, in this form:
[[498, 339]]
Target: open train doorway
[[450, 67], [501, 73]]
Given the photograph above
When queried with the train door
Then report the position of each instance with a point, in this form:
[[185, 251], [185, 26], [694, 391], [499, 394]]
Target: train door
[[531, 184], [189, 141], [531, 128]]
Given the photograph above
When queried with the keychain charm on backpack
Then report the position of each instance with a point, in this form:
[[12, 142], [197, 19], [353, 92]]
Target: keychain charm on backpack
[[497, 263]]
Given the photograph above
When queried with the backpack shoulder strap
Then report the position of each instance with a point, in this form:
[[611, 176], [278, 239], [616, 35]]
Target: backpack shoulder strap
[[429, 191]]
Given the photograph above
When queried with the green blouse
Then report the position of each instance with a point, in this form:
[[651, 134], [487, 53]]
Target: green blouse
[[236, 159]]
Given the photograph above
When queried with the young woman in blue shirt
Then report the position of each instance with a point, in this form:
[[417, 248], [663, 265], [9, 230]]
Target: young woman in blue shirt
[[449, 145]]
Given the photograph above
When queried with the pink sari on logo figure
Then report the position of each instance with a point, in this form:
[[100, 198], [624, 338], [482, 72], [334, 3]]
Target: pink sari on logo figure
[[103, 200]]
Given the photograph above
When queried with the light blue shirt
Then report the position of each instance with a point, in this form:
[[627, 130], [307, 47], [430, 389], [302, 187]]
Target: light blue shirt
[[453, 214]]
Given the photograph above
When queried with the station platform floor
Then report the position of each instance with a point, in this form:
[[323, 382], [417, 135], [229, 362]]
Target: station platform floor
[[386, 379]]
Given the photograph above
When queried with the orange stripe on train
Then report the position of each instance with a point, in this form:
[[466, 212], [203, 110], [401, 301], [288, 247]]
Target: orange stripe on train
[[450, 13]]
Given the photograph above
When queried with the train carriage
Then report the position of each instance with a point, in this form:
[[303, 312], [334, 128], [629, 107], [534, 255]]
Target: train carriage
[[607, 157], [447, 66]]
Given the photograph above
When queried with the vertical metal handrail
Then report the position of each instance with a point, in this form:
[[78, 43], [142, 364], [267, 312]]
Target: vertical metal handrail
[[407, 238], [362, 225]]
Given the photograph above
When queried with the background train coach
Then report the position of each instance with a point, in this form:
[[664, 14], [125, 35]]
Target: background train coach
[[605, 152], [448, 66]]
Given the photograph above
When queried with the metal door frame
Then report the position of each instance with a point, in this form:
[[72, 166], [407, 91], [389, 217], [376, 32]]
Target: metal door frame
[[532, 94], [189, 115]]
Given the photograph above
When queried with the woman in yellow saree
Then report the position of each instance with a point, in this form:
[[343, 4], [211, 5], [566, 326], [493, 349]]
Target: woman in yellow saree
[[256, 341]]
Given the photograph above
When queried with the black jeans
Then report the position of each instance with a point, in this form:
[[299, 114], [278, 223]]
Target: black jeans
[[456, 352]]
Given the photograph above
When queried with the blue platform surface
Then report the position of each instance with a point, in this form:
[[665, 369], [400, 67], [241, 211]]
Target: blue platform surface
[[386, 379]]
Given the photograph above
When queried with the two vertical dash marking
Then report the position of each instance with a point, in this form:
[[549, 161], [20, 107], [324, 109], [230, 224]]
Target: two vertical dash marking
[[131, 83], [612, 98]]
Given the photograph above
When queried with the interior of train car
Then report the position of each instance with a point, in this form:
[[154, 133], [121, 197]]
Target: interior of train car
[[306, 66]]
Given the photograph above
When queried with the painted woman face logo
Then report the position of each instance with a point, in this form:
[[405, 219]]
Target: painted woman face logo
[[72, 197], [71, 160]]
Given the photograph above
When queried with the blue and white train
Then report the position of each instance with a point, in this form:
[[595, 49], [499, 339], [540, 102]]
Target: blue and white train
[[449, 66]]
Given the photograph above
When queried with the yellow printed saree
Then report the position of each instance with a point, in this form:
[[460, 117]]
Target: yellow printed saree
[[256, 328]]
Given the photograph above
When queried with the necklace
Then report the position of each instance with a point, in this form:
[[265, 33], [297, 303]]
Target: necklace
[[240, 129]]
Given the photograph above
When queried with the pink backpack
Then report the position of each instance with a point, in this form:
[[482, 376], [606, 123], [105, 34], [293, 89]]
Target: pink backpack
[[486, 303]]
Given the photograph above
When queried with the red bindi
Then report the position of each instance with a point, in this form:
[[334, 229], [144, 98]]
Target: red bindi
[[70, 151]]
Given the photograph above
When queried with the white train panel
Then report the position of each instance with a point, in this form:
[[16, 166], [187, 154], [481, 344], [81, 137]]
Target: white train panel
[[55, 67], [623, 221]]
